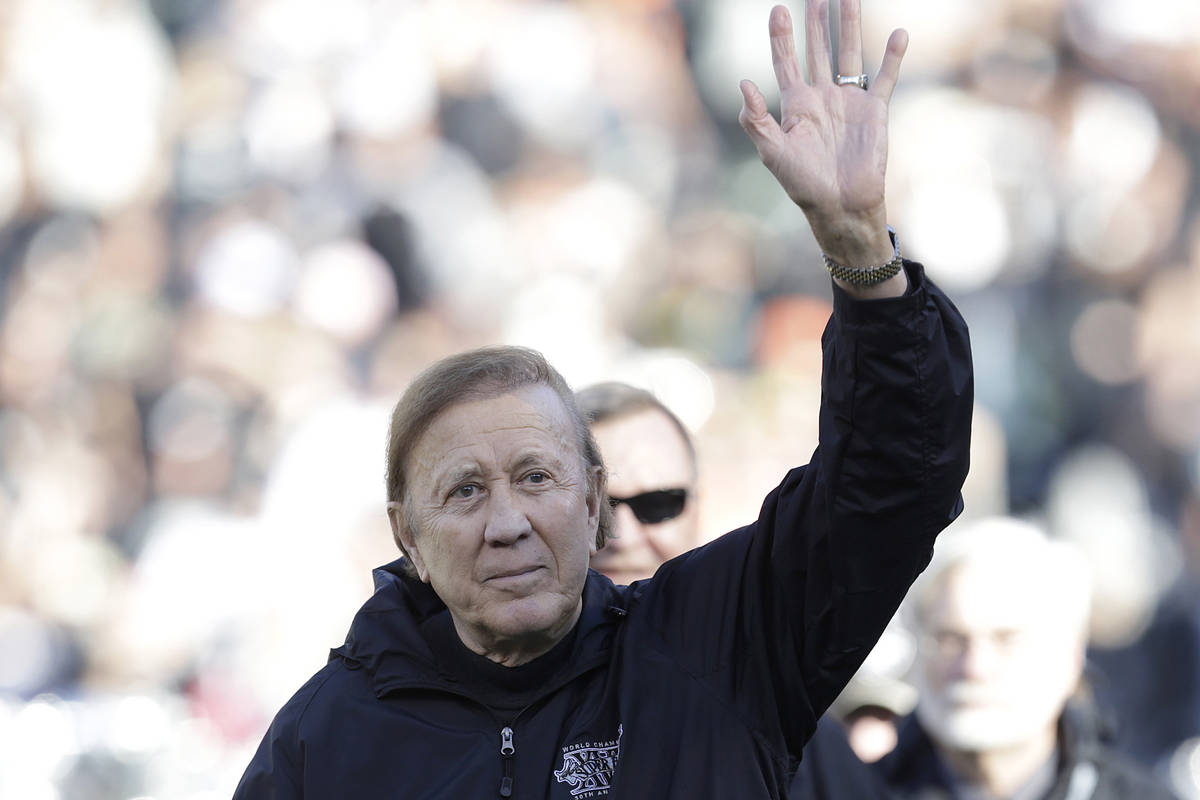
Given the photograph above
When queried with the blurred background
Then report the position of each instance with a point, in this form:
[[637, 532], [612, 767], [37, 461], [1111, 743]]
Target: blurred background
[[232, 230]]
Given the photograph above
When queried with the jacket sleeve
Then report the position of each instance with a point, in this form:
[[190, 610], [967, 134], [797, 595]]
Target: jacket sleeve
[[277, 770], [273, 773], [776, 617]]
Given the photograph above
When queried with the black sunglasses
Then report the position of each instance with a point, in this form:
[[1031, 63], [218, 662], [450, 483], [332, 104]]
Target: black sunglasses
[[654, 507]]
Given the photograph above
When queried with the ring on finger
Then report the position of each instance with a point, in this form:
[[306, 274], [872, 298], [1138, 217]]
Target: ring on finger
[[851, 80]]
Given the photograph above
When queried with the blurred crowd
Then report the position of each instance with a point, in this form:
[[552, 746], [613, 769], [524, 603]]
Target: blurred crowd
[[232, 230]]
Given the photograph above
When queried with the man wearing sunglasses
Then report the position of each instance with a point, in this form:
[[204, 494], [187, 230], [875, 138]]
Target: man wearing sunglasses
[[651, 480]]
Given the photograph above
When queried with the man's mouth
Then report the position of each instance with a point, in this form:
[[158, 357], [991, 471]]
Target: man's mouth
[[515, 576]]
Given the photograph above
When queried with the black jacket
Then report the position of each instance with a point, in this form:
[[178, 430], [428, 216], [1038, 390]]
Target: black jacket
[[1087, 769], [704, 681]]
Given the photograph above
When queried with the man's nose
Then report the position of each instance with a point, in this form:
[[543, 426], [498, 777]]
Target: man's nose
[[507, 522], [628, 531], [979, 658]]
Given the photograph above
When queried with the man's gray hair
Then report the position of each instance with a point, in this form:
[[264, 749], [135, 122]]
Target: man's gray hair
[[612, 400], [480, 375], [1056, 570]]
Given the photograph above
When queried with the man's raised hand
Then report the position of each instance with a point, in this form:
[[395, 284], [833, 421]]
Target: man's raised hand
[[829, 148]]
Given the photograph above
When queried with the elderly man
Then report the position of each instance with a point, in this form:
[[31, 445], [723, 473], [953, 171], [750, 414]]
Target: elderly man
[[491, 662], [999, 667]]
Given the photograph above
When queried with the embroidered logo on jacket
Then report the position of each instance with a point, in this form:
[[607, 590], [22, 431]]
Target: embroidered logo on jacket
[[588, 766]]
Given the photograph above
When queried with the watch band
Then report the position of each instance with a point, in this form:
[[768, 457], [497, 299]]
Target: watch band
[[867, 276]]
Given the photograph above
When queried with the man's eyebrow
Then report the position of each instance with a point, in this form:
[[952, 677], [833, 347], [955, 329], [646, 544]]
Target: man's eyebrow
[[531, 458], [457, 474]]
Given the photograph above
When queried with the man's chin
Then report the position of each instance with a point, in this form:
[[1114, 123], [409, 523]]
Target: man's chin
[[981, 729], [622, 571], [537, 612], [625, 576]]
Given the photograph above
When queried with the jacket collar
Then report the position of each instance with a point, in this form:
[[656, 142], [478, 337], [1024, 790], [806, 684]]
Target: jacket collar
[[385, 638]]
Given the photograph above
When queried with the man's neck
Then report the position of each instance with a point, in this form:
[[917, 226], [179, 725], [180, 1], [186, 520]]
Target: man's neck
[[1002, 772]]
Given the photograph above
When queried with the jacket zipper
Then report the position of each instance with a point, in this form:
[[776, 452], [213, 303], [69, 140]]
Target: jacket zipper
[[507, 750]]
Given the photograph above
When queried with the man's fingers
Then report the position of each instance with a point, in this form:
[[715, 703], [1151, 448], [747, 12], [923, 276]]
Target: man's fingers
[[850, 61], [783, 49], [816, 24], [757, 121], [889, 70]]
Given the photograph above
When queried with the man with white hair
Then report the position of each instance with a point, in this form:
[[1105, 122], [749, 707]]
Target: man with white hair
[[1001, 616]]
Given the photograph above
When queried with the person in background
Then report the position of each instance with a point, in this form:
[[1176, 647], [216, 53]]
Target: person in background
[[652, 476], [652, 479], [1001, 618]]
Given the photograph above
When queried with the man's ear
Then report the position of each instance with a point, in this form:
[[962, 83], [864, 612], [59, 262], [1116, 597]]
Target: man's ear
[[595, 489], [405, 538]]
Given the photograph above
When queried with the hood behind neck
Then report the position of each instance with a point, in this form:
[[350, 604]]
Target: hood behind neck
[[385, 637]]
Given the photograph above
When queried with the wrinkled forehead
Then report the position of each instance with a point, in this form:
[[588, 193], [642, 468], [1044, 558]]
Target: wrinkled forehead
[[643, 451], [528, 417]]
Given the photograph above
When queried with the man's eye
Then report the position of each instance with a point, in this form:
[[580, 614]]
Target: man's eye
[[537, 477], [465, 492]]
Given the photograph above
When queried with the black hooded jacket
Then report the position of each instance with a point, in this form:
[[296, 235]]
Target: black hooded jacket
[[707, 679]]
